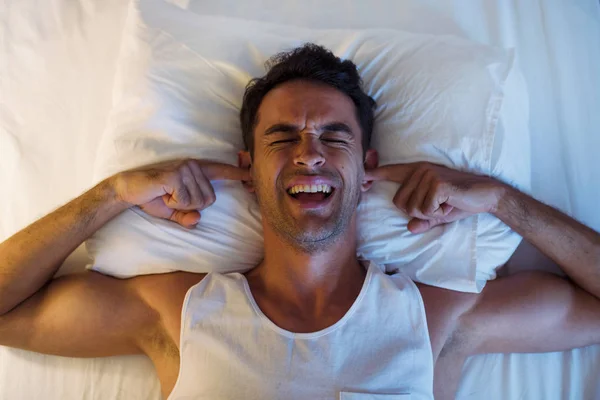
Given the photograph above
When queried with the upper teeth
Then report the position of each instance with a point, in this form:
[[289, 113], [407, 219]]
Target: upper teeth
[[309, 189]]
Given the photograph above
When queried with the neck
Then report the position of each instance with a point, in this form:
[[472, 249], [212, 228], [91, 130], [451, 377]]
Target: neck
[[310, 280]]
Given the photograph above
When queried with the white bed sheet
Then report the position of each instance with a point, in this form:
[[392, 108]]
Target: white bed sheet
[[57, 62], [57, 65]]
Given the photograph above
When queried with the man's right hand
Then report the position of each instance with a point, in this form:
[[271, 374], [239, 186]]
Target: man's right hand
[[174, 190]]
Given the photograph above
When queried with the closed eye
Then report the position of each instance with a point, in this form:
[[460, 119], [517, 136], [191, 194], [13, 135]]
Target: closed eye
[[284, 141], [333, 140]]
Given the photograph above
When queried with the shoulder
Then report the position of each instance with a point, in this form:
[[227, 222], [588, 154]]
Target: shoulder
[[165, 295], [437, 299], [155, 285], [465, 322], [445, 310]]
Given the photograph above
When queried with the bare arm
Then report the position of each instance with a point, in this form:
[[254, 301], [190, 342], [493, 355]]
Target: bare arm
[[531, 312], [82, 315], [32, 256], [526, 312], [435, 195], [90, 314], [572, 245]]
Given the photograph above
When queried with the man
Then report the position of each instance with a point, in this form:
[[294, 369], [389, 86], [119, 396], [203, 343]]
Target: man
[[310, 321]]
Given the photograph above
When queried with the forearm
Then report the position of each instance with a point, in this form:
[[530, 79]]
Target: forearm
[[572, 245], [32, 256]]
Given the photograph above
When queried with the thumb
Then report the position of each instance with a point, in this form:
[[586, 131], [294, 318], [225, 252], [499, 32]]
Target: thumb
[[417, 225], [187, 219]]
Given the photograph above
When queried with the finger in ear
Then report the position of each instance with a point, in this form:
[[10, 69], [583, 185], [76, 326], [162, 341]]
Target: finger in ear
[[370, 165], [245, 162], [371, 159]]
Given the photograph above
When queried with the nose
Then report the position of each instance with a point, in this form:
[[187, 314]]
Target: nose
[[309, 152]]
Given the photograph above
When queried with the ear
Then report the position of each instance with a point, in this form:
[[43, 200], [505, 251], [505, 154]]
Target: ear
[[371, 162], [245, 162]]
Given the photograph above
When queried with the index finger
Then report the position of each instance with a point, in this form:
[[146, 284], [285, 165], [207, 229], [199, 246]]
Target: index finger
[[393, 173], [217, 171]]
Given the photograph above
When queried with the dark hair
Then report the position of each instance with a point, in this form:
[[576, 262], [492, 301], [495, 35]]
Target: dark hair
[[311, 62]]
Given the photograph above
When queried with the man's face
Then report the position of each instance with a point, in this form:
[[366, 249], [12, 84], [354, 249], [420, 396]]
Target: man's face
[[307, 139]]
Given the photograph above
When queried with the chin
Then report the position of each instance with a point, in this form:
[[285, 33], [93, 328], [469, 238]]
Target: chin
[[313, 236], [311, 245]]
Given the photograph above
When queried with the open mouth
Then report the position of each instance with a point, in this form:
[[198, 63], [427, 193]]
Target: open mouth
[[311, 193]]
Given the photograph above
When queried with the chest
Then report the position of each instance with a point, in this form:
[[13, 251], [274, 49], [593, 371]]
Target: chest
[[260, 363], [230, 350], [291, 320]]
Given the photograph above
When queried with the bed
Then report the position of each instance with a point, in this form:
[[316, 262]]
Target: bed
[[57, 72]]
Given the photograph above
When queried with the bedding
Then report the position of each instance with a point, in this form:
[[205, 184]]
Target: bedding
[[53, 110], [440, 99], [57, 67]]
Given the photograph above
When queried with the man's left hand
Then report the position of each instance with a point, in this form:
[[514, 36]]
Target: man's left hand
[[435, 195]]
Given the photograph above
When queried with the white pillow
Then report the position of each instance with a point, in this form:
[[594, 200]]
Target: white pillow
[[182, 77]]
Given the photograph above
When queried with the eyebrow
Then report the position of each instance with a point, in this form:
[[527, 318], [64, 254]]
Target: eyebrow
[[330, 127]]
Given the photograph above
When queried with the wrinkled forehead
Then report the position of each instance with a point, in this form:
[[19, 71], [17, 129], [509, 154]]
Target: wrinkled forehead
[[306, 103]]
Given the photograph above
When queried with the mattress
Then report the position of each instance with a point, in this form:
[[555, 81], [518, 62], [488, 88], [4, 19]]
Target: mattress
[[57, 68]]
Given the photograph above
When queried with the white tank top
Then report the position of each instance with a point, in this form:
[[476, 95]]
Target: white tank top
[[231, 351]]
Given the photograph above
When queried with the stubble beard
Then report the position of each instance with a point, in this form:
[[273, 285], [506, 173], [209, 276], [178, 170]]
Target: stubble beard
[[309, 239]]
